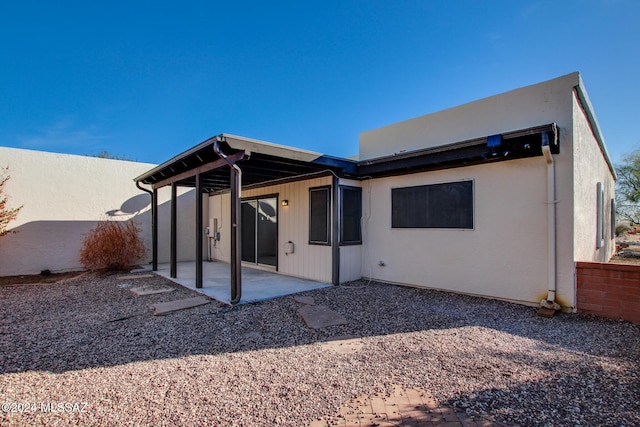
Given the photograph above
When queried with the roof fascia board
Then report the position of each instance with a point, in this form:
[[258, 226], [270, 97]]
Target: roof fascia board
[[585, 103], [457, 145], [175, 159], [269, 148], [216, 164]]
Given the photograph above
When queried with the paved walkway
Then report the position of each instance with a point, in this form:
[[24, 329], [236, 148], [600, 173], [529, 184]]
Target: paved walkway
[[404, 407]]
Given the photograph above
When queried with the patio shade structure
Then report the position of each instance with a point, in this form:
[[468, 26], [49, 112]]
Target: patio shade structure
[[229, 163]]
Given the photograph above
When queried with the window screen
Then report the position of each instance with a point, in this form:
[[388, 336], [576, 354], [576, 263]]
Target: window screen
[[613, 219], [448, 205], [350, 214], [319, 211], [600, 216]]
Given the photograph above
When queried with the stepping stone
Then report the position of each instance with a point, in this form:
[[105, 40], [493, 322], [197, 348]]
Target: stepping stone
[[319, 316], [546, 312], [344, 345], [182, 304], [151, 289], [304, 300], [136, 276], [141, 270]]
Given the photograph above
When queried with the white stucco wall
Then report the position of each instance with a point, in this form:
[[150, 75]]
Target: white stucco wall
[[590, 167], [63, 197], [185, 222], [518, 109], [505, 256]]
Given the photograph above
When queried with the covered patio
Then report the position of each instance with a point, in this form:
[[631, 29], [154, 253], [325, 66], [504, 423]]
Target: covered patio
[[257, 285], [228, 163]]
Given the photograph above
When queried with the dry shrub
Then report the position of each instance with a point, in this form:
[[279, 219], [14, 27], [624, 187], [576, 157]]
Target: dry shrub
[[112, 246], [6, 215]]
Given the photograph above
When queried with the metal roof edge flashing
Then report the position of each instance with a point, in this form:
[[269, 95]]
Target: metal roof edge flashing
[[551, 127], [587, 108]]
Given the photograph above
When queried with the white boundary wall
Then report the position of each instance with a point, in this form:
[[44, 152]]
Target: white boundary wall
[[64, 196]]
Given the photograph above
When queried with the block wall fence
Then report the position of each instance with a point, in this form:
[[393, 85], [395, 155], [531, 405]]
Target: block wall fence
[[608, 290]]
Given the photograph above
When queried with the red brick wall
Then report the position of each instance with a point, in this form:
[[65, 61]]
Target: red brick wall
[[609, 290]]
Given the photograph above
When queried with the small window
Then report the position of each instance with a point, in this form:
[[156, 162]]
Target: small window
[[319, 215], [613, 219], [350, 215], [600, 216], [448, 205]]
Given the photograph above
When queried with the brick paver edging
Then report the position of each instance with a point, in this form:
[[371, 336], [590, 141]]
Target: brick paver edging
[[403, 407]]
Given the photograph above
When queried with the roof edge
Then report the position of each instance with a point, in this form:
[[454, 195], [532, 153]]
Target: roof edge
[[174, 159], [587, 107]]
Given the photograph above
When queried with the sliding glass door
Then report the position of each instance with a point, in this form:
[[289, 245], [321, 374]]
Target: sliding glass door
[[260, 231]]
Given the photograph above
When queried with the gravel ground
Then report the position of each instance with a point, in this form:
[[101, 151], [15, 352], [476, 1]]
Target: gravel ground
[[96, 347]]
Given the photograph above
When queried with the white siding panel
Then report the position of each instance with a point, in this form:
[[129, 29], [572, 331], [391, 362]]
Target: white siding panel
[[308, 261]]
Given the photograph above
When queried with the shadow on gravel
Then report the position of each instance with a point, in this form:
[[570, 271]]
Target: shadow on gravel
[[93, 322], [577, 396]]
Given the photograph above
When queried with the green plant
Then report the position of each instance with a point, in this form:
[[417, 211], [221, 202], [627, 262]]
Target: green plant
[[628, 188], [112, 246], [6, 215]]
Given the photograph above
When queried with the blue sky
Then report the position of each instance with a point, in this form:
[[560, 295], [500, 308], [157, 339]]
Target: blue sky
[[149, 80]]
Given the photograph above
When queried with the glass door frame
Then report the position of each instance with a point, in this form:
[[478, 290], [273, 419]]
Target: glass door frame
[[257, 199]]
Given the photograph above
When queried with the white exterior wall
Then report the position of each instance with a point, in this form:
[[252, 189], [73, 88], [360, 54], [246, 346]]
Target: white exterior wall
[[63, 197], [590, 168], [308, 261], [505, 256], [534, 105]]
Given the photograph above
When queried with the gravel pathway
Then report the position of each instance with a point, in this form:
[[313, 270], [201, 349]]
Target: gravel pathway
[[90, 352]]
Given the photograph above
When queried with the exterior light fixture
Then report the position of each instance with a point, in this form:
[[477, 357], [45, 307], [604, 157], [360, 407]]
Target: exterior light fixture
[[285, 203]]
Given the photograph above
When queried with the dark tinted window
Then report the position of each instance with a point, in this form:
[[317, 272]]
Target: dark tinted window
[[319, 210], [448, 205], [350, 214]]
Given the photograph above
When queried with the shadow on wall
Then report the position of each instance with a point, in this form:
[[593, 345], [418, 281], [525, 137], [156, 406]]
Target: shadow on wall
[[133, 206], [55, 245]]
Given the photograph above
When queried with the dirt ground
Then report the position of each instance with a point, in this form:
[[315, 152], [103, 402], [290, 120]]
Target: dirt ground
[[37, 279], [630, 249]]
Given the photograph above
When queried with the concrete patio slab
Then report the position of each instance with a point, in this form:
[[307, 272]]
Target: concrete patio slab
[[319, 316], [182, 304], [257, 285]]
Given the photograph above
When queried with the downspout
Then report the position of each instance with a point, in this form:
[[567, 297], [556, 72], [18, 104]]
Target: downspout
[[154, 228], [550, 302], [236, 254], [336, 226]]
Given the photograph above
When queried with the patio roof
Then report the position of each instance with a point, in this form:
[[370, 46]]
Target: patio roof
[[261, 162]]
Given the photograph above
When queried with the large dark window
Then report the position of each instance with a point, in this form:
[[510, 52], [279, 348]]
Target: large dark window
[[448, 205], [350, 214], [319, 215]]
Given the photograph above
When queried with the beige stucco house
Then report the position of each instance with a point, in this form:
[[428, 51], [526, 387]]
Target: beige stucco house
[[499, 197]]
